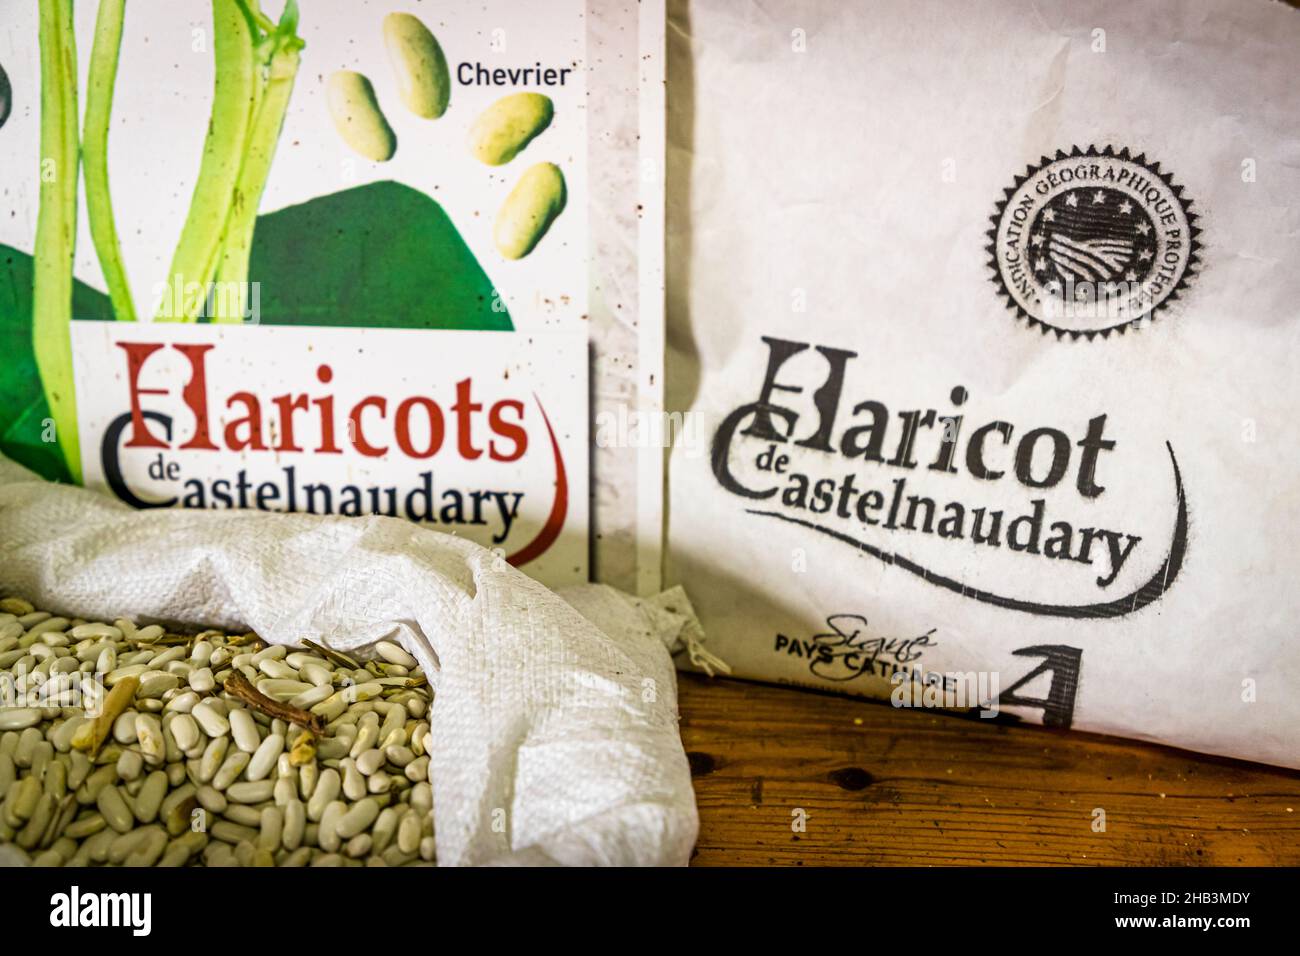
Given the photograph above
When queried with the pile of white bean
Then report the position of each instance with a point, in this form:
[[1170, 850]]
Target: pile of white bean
[[185, 773]]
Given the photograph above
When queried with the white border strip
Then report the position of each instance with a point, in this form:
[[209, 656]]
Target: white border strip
[[652, 160]]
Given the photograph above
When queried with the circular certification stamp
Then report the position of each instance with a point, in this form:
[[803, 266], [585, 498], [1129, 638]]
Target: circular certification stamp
[[1090, 243]]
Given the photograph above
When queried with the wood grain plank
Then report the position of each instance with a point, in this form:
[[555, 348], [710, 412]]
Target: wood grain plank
[[884, 786]]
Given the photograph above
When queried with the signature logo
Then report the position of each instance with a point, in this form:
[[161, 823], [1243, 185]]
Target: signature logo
[[847, 650]]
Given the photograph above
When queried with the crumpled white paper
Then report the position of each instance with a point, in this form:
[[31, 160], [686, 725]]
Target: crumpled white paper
[[555, 736]]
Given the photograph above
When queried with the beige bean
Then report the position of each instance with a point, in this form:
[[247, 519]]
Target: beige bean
[[500, 134], [423, 80], [526, 215], [357, 116]]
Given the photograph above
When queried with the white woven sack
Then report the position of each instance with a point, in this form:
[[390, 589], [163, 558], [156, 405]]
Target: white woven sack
[[555, 735]]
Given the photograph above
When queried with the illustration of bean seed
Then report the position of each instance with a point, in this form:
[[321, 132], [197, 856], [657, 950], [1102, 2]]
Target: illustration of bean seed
[[357, 116], [423, 79], [526, 215], [499, 135]]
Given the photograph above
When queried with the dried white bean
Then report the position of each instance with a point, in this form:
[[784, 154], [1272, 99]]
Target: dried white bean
[[186, 731], [230, 770], [264, 758], [191, 774], [243, 729], [19, 718], [112, 806], [395, 654], [212, 721], [250, 791]]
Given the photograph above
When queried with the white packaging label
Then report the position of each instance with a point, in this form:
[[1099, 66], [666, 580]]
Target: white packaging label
[[479, 434]]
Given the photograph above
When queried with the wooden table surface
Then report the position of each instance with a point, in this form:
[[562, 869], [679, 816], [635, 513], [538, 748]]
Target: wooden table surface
[[875, 785]]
